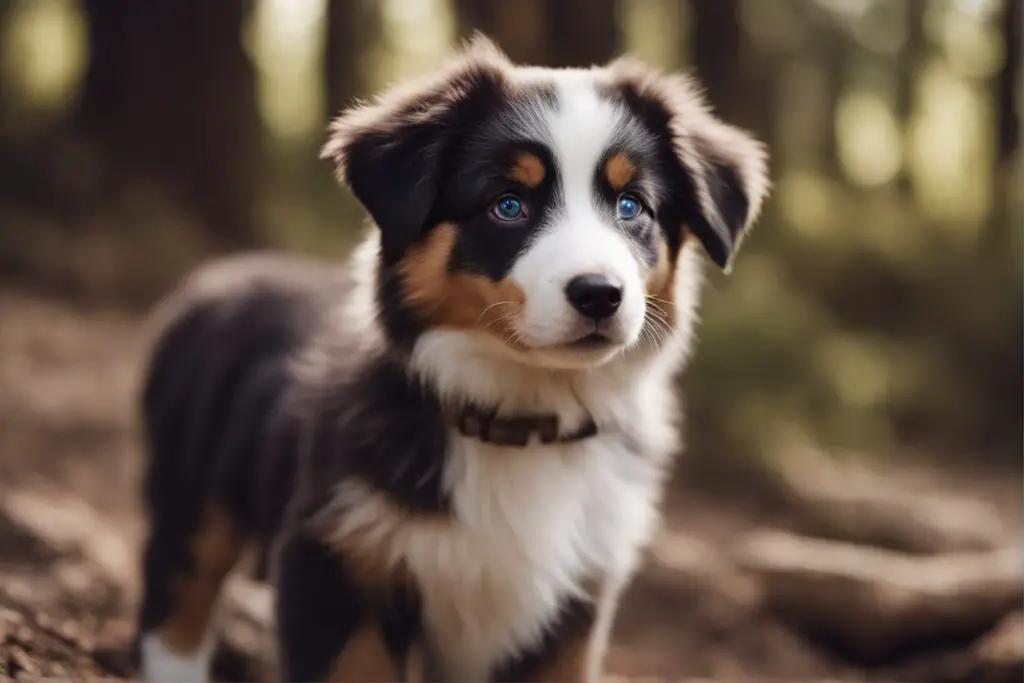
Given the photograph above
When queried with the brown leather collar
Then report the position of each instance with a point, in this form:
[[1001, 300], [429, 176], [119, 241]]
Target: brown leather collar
[[515, 430]]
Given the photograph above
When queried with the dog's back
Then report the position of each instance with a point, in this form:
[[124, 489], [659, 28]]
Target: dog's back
[[218, 434]]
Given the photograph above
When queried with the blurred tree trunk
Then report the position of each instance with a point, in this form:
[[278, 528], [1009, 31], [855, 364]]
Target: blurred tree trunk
[[837, 60], [717, 43], [517, 27], [1009, 81], [560, 33], [170, 96], [842, 60], [737, 78], [5, 10], [912, 54], [353, 29], [583, 32]]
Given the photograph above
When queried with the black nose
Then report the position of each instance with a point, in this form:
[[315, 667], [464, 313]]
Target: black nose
[[595, 296]]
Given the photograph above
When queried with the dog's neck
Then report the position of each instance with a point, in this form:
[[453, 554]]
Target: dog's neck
[[515, 429], [488, 396]]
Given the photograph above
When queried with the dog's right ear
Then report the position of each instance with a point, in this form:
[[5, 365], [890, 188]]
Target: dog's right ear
[[718, 173], [390, 152]]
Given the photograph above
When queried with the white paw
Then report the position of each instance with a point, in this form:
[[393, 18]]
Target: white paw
[[160, 664]]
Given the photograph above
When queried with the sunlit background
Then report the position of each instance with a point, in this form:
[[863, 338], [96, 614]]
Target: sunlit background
[[875, 309]]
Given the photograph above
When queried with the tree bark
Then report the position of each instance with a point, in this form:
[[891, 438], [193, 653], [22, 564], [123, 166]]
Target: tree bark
[[737, 81], [170, 97], [912, 54], [583, 32], [563, 33], [1009, 81], [518, 28], [717, 42], [353, 27]]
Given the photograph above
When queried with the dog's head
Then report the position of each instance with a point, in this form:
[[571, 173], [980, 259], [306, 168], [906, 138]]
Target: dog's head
[[544, 210]]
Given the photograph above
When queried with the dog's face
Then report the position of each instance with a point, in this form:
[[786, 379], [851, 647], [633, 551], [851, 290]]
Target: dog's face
[[543, 211]]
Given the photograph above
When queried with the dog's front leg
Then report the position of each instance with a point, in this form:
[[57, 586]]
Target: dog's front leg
[[574, 648], [329, 628]]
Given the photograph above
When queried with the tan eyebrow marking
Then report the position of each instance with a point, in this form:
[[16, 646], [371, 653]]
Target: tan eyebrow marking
[[527, 169], [619, 170]]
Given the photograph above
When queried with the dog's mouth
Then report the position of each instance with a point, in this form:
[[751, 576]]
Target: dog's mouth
[[590, 342], [587, 350]]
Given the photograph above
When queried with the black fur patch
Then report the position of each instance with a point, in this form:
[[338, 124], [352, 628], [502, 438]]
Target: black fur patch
[[486, 245], [393, 153], [321, 604], [717, 173], [381, 427]]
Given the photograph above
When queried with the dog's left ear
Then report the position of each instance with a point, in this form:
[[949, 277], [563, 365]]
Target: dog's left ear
[[390, 152], [719, 173], [730, 183]]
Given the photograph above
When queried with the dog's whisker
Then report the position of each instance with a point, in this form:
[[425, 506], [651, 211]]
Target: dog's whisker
[[487, 309]]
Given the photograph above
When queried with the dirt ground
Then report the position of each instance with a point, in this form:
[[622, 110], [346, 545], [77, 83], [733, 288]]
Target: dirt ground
[[69, 527]]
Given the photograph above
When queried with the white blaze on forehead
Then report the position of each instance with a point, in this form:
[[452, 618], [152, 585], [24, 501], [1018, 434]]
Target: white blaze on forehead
[[579, 133], [580, 130], [579, 234]]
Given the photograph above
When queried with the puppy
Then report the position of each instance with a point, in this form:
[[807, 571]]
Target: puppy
[[456, 444]]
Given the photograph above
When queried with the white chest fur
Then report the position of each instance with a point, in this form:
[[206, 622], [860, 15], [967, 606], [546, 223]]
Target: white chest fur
[[530, 526]]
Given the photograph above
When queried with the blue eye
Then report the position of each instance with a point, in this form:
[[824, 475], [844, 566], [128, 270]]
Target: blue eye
[[627, 207], [508, 208]]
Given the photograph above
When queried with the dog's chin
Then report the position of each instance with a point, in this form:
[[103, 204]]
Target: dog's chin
[[575, 358], [590, 350]]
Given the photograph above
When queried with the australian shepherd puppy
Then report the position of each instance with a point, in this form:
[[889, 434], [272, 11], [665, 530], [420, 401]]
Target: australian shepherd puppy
[[455, 445]]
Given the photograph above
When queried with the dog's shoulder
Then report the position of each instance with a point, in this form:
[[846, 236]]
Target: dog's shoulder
[[363, 420]]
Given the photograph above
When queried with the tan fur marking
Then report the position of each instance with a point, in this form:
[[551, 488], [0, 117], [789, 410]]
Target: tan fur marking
[[214, 550], [458, 301], [415, 666], [569, 666], [365, 659], [661, 289], [619, 170], [528, 170]]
